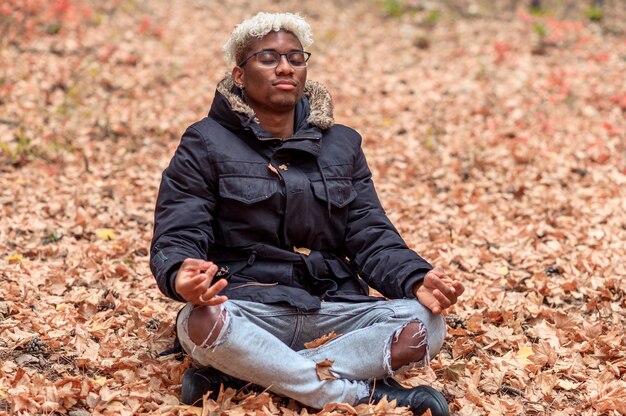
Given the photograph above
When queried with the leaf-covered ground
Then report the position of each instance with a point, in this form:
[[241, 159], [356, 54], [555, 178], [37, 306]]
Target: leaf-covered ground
[[498, 146]]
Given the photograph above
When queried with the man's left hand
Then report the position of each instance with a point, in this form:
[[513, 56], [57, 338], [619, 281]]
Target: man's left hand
[[438, 291]]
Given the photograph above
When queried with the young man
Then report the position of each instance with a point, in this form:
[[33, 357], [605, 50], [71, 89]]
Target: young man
[[268, 226]]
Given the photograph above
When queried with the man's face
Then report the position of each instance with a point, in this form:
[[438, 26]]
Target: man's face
[[272, 89]]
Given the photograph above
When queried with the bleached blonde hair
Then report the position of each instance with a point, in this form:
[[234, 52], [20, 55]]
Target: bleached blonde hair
[[259, 26]]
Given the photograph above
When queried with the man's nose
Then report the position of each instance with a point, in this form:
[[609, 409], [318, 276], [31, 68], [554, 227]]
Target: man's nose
[[284, 67]]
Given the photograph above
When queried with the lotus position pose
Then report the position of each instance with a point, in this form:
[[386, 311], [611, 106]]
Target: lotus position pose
[[268, 227]]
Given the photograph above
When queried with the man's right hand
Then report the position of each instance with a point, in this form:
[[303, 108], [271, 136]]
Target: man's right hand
[[193, 283]]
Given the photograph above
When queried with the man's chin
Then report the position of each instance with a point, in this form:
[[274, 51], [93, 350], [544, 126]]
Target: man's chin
[[284, 103]]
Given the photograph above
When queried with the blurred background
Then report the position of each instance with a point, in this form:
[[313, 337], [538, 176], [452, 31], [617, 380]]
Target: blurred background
[[495, 131]]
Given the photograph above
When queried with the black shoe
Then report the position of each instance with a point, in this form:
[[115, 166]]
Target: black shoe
[[198, 381], [419, 399]]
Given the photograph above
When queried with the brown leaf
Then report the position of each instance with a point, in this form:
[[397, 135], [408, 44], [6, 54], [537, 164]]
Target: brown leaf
[[592, 330], [364, 409], [564, 321], [321, 340], [385, 407], [273, 169], [302, 250], [323, 370], [544, 354], [567, 384], [257, 402], [340, 408], [454, 371], [518, 182]]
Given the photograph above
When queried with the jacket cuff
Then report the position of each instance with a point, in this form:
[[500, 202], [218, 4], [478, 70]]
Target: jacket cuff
[[165, 268], [414, 278], [170, 282]]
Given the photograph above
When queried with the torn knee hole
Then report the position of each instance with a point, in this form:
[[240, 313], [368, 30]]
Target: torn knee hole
[[205, 324], [416, 333], [409, 345]]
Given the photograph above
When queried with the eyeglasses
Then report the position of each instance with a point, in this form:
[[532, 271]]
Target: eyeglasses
[[271, 59]]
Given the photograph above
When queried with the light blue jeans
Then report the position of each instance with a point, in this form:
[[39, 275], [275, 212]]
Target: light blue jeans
[[264, 344]]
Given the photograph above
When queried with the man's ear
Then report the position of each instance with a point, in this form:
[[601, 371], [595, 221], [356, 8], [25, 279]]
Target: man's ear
[[237, 75]]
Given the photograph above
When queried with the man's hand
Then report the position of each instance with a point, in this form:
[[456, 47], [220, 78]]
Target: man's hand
[[193, 283], [438, 291]]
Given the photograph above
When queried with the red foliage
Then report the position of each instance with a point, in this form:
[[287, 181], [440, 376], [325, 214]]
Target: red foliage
[[619, 100], [148, 27], [144, 25], [501, 49], [25, 20], [505, 165], [60, 8]]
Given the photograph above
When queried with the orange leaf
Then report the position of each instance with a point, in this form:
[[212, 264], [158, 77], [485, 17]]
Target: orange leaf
[[323, 370], [321, 340], [543, 354], [273, 169], [340, 408], [257, 402]]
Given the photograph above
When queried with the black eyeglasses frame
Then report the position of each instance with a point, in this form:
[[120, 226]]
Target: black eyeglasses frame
[[286, 55]]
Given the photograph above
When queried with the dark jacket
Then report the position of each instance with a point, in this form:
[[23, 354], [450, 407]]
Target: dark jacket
[[295, 221]]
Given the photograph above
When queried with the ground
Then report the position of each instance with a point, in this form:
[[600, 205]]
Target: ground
[[497, 140]]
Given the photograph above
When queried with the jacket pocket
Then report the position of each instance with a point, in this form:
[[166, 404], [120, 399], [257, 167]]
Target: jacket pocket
[[339, 190], [261, 272], [247, 189]]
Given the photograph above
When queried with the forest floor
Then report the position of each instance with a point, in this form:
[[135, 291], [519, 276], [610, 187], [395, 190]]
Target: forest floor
[[497, 144]]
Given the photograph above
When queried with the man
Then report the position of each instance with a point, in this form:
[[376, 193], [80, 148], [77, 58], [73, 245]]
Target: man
[[268, 225]]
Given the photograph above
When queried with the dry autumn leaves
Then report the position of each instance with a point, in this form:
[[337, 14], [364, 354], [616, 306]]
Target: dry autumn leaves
[[497, 141]]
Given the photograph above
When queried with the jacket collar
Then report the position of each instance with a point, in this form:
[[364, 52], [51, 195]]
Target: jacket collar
[[320, 104], [314, 114]]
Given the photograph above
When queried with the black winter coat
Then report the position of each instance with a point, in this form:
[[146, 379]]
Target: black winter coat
[[295, 221]]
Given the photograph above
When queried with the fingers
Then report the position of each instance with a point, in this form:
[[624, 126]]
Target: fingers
[[209, 297], [205, 288], [444, 290], [444, 301], [438, 271], [443, 286], [214, 301], [428, 300], [458, 288], [195, 264], [201, 277], [214, 289], [191, 287], [194, 282]]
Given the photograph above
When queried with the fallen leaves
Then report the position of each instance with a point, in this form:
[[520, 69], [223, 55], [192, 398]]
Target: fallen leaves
[[454, 371], [543, 354], [302, 250], [505, 166], [273, 169], [323, 369], [321, 340], [524, 353], [338, 408], [105, 234], [15, 258]]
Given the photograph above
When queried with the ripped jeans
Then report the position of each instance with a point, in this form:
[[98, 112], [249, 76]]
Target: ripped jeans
[[264, 344]]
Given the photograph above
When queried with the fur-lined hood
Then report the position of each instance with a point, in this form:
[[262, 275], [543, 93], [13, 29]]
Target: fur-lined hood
[[320, 102]]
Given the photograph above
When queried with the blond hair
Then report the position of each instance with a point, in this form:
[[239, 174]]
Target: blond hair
[[262, 24]]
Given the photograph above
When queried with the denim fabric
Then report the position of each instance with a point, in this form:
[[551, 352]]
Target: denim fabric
[[264, 344]]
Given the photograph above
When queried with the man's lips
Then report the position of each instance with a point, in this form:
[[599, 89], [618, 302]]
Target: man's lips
[[285, 84]]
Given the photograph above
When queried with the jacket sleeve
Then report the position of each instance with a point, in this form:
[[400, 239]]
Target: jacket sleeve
[[377, 252], [184, 212]]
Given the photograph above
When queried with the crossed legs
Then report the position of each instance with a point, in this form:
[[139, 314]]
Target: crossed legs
[[263, 344]]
